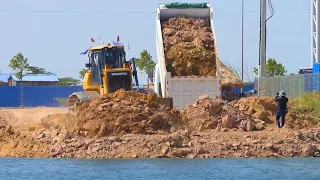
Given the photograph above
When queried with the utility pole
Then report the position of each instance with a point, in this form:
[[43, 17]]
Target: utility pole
[[262, 50], [242, 12]]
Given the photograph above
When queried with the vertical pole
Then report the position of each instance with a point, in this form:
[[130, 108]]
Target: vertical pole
[[262, 52], [242, 17]]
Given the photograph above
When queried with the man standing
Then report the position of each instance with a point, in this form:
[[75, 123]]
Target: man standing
[[282, 101]]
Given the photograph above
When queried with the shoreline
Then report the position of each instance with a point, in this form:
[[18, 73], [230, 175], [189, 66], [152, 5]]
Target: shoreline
[[269, 143]]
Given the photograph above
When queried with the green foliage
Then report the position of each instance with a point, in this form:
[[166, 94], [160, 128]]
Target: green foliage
[[273, 68], [82, 72], [62, 101], [68, 81], [145, 62], [19, 63], [37, 70], [309, 104]]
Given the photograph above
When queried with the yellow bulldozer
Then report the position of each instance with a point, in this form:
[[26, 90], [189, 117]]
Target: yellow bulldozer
[[109, 71]]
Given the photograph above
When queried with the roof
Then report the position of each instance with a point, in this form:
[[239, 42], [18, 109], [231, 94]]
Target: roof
[[38, 77], [4, 77], [109, 45]]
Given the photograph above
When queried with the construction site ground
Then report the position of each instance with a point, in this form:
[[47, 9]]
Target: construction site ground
[[128, 125]]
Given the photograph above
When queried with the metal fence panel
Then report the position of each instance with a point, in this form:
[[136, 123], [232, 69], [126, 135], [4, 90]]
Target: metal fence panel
[[293, 85]]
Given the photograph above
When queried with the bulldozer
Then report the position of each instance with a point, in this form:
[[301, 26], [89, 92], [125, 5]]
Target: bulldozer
[[109, 71]]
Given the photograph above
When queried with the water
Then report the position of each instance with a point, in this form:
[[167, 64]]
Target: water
[[149, 169]]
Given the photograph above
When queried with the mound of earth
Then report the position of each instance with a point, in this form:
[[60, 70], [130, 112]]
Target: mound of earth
[[265, 109], [213, 113], [189, 47], [119, 113]]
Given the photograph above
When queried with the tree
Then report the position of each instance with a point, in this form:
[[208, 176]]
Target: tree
[[273, 68], [37, 70], [20, 64], [145, 63], [68, 81], [82, 72]]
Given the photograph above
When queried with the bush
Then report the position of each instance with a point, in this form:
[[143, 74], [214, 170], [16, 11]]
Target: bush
[[62, 101], [309, 104]]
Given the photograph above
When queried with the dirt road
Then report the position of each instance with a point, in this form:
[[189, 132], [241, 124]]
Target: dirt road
[[21, 117]]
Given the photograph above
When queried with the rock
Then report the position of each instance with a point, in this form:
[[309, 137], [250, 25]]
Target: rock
[[102, 130], [185, 151], [259, 126], [213, 109], [164, 151], [42, 135], [185, 133], [176, 141], [269, 146], [211, 125], [9, 130], [224, 130], [113, 138], [54, 132], [248, 154], [290, 152], [227, 122], [56, 150], [175, 153], [202, 151], [92, 126], [191, 156], [105, 105], [250, 125], [63, 135], [31, 128], [279, 141], [168, 31], [134, 155], [298, 135], [309, 150], [242, 108]]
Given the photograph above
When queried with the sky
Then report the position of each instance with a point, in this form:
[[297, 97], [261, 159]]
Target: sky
[[53, 33]]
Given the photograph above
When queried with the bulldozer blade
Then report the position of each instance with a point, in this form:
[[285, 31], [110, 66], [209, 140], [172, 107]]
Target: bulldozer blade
[[78, 98], [168, 102]]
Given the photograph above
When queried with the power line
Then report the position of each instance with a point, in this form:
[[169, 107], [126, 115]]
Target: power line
[[119, 12]]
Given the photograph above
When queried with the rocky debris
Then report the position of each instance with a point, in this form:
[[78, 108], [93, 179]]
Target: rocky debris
[[213, 113], [58, 143], [189, 46], [118, 113]]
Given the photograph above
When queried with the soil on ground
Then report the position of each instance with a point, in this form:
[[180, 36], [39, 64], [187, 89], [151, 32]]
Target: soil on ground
[[132, 125]]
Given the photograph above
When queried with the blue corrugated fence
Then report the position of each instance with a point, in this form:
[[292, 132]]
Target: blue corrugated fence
[[245, 88], [10, 96]]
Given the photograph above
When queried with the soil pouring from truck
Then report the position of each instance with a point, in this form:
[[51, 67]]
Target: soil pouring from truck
[[187, 53]]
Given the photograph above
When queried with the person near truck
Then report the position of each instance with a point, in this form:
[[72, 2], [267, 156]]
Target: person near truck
[[282, 101]]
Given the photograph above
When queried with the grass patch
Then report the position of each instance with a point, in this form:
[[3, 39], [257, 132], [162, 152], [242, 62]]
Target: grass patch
[[62, 101], [309, 104]]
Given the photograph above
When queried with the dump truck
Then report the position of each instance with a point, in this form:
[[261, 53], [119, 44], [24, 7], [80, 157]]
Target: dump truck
[[183, 89]]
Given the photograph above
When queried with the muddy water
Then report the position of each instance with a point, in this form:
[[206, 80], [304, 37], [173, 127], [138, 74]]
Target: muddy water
[[184, 169]]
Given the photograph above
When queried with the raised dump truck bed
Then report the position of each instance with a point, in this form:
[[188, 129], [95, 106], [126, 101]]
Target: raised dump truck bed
[[184, 89]]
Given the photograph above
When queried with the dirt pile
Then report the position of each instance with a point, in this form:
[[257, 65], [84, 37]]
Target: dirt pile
[[213, 113], [54, 142], [265, 109], [119, 113], [189, 47]]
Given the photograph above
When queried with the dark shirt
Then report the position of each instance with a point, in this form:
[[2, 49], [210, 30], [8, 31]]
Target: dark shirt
[[282, 102]]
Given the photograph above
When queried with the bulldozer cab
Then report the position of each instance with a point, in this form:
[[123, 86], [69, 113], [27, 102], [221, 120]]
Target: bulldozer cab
[[99, 57]]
